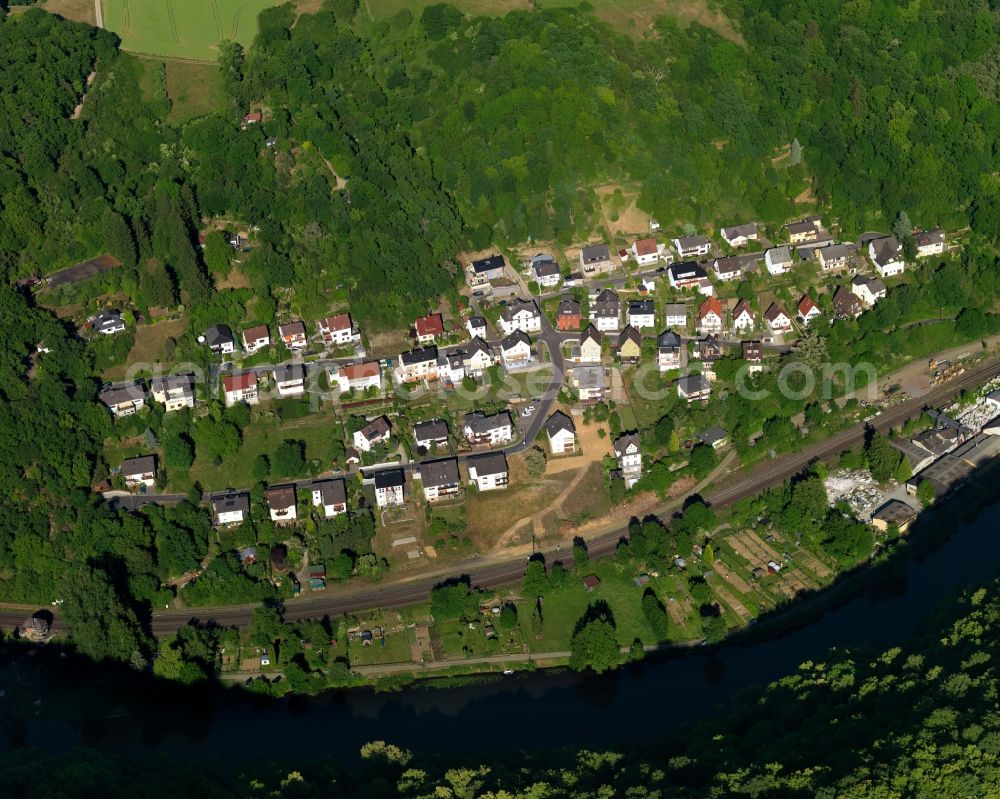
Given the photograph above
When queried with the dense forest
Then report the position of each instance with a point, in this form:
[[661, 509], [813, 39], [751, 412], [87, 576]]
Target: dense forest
[[911, 721]]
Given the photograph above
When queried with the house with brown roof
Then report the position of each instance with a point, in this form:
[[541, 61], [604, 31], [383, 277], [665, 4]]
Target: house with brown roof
[[293, 335], [568, 315], [629, 345], [930, 242], [728, 267], [338, 330], [240, 388], [753, 354], [331, 496], [743, 317], [281, 504], [561, 433], [377, 431], [139, 471], [846, 304], [123, 400], [868, 289], [428, 328], [256, 339], [777, 319], [646, 252]]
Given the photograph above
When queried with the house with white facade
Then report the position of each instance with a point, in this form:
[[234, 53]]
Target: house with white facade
[[293, 335], [428, 328], [728, 267], [440, 479], [930, 242], [416, 365], [230, 509], [808, 310], [646, 252], [107, 323], [356, 376], [641, 314], [778, 260], [139, 471], [290, 379], [676, 314], [476, 325], [331, 496], [596, 259], [240, 388], [692, 246], [389, 488], [561, 433], [338, 330], [493, 430], [377, 431], [124, 400], [686, 274], [430, 434], [628, 452], [486, 270], [545, 270], [777, 319], [219, 339], [590, 382], [710, 315], [515, 350], [694, 388], [488, 472], [868, 289], [834, 257], [740, 235], [256, 339], [280, 502], [668, 351], [478, 357], [174, 392], [887, 256], [743, 317], [605, 311], [520, 315]]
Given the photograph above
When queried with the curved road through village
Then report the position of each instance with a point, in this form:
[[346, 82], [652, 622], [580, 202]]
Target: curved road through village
[[491, 575]]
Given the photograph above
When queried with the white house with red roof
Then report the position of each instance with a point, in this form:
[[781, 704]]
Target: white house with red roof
[[428, 328], [710, 315], [808, 310], [356, 376], [646, 252], [338, 329], [240, 388]]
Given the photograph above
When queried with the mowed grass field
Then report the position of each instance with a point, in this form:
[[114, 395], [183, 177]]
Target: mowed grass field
[[188, 29]]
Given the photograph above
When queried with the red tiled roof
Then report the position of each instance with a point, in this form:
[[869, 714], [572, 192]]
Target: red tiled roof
[[709, 305], [254, 333], [431, 325], [338, 322], [240, 382], [645, 247], [353, 371], [806, 305]]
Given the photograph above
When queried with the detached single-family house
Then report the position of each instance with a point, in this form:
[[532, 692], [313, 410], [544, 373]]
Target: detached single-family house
[[686, 274], [808, 310], [433, 433], [868, 289], [488, 472], [481, 430], [416, 365], [777, 320], [591, 340], [478, 357], [427, 328], [515, 350], [281, 504], [642, 313], [646, 252], [930, 242], [568, 315], [668, 351], [331, 496], [219, 339], [256, 338], [173, 392], [108, 323], [377, 431], [440, 479], [693, 388], [123, 400], [605, 311], [589, 381], [628, 451], [834, 257], [753, 354], [545, 270], [240, 388], [338, 330], [290, 379], [139, 471], [778, 260], [708, 350], [389, 486], [805, 231], [561, 433], [887, 256], [728, 267], [692, 246], [715, 437], [486, 269], [710, 315], [846, 303], [740, 235], [451, 368], [356, 376], [676, 315], [520, 315], [596, 258], [230, 509], [629, 345], [743, 317], [476, 325], [293, 335]]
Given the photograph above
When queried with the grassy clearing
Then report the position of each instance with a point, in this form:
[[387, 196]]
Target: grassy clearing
[[194, 90], [148, 349], [392, 648], [78, 10]]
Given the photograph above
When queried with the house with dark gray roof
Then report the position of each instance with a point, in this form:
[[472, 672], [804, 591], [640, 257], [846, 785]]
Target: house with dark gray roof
[[488, 472], [433, 433], [440, 479]]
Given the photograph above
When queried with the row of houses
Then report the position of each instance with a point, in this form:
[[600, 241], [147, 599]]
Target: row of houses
[[478, 429], [338, 330]]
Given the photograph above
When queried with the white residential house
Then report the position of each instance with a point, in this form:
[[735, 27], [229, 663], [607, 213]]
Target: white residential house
[[107, 323], [256, 339], [478, 357], [868, 289], [628, 451], [676, 315], [808, 310], [561, 433], [740, 235], [356, 376], [476, 325], [805, 231], [591, 340], [710, 316], [778, 260], [545, 270], [230, 509], [729, 267], [753, 354], [338, 330], [692, 246], [596, 258], [293, 335], [777, 319], [377, 431], [605, 311], [290, 380], [219, 339], [331, 496], [427, 328], [416, 365], [668, 351], [124, 400], [693, 388], [930, 242], [520, 315], [646, 252], [281, 504], [140, 471], [481, 430], [451, 368], [590, 382], [240, 388], [834, 257], [430, 434], [389, 487], [743, 317], [687, 274], [440, 479], [486, 270], [642, 313], [174, 392], [515, 350], [887, 256], [488, 472]]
